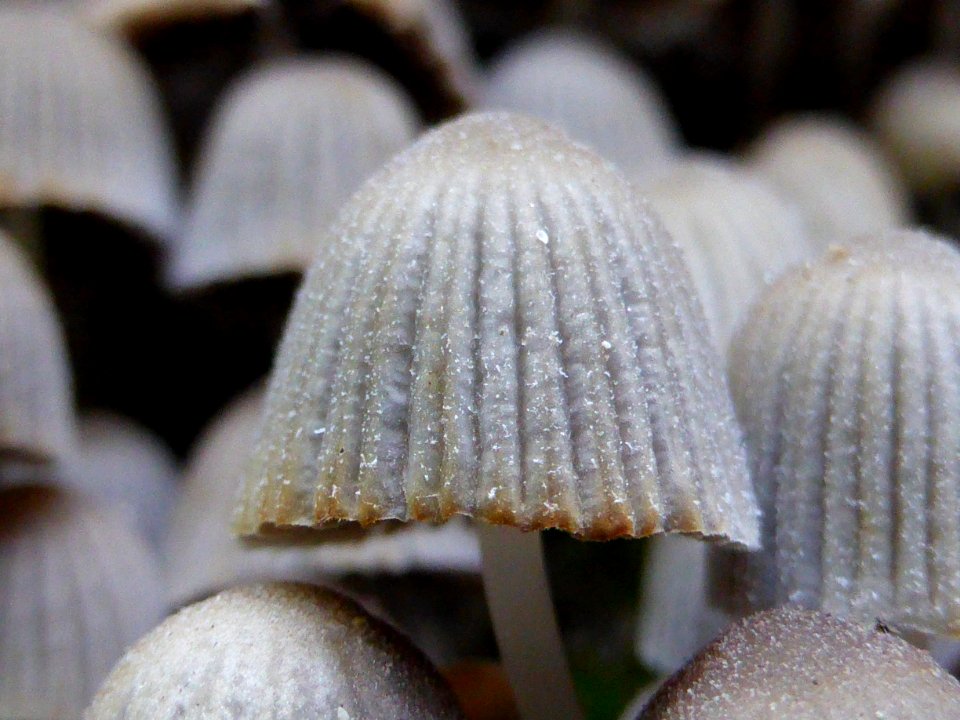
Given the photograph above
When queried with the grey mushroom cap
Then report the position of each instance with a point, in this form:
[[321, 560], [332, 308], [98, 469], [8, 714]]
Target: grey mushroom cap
[[792, 664], [283, 651]]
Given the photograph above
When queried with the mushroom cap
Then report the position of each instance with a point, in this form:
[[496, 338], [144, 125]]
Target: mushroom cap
[[498, 327], [279, 650], [736, 231], [847, 382], [204, 557], [835, 172], [290, 143], [917, 118], [564, 78], [792, 664], [131, 17], [37, 424], [80, 123], [78, 587]]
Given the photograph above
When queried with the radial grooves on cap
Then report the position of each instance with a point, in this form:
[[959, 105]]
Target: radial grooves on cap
[[517, 343]]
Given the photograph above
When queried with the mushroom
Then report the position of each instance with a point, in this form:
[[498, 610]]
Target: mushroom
[[283, 651], [496, 326], [793, 664], [846, 379]]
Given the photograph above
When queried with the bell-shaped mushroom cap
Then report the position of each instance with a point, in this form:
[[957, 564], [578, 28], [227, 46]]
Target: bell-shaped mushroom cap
[[204, 556], [793, 664], [290, 144], [588, 90], [282, 651], [917, 117], [498, 327], [130, 17], [676, 618], [835, 172], [78, 587], [122, 462], [36, 400], [80, 124], [737, 234], [846, 379]]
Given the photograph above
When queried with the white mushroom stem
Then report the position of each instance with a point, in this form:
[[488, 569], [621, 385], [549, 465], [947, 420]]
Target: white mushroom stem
[[531, 649]]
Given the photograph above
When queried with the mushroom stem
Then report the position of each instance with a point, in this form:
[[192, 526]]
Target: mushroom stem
[[531, 649]]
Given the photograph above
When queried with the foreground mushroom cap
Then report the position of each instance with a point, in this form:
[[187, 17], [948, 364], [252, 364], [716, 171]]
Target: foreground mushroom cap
[[279, 651], [836, 173], [204, 556], [589, 91], [791, 664], [36, 400], [104, 148], [78, 587], [497, 327], [847, 381], [290, 143]]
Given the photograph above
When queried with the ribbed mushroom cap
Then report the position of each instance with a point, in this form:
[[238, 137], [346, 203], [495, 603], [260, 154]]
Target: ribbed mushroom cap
[[497, 327], [131, 17], [290, 143], [835, 172], [737, 234], [279, 651], [587, 89], [80, 124], [792, 664], [204, 556], [846, 379], [121, 462], [78, 587], [917, 117], [36, 399]]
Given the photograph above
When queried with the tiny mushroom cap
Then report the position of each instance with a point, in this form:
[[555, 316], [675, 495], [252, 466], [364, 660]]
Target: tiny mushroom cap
[[793, 664], [847, 382], [290, 143], [587, 89], [835, 172], [917, 118], [105, 148], [37, 425], [283, 651], [498, 327]]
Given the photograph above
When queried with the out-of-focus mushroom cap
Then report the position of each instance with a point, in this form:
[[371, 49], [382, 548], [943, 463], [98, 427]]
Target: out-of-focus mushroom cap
[[281, 651], [498, 327], [290, 143], [846, 379], [122, 462], [791, 664], [917, 117], [589, 91], [37, 425], [80, 124], [131, 17], [737, 234], [836, 173], [78, 587], [204, 557]]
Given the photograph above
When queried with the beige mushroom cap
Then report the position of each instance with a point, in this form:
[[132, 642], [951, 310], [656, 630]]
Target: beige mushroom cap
[[282, 651], [791, 664]]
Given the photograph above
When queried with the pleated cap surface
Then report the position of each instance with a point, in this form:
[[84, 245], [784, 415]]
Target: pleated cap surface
[[498, 327], [289, 144], [737, 234], [204, 556], [836, 173], [589, 91], [78, 588], [36, 398], [278, 651], [792, 664], [847, 381], [80, 123]]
